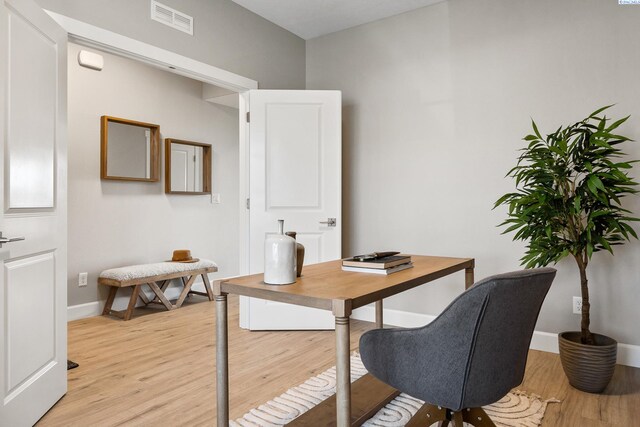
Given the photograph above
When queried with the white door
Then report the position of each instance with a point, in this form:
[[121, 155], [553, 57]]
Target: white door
[[295, 163], [185, 167], [33, 294]]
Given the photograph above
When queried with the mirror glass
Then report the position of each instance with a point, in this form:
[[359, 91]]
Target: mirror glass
[[188, 167], [129, 150]]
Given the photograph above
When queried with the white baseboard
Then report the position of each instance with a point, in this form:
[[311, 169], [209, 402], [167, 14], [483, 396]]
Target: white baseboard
[[628, 354], [544, 341], [81, 311]]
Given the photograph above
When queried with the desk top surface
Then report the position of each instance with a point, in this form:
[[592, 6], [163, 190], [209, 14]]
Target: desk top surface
[[327, 286]]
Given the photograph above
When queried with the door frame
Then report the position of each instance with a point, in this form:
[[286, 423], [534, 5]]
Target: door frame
[[92, 36]]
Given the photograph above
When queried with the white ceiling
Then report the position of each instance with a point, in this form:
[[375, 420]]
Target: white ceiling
[[314, 18]]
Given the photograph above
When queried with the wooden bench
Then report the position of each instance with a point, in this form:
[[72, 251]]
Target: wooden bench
[[157, 277]]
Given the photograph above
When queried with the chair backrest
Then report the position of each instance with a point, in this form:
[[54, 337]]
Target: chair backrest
[[473, 353], [503, 331]]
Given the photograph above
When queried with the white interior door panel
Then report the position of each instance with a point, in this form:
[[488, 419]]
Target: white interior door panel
[[295, 164], [33, 283]]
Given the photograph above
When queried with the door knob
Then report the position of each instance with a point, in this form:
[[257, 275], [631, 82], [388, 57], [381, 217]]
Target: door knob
[[4, 240], [331, 222]]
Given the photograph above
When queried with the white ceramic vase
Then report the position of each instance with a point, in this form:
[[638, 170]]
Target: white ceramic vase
[[279, 258]]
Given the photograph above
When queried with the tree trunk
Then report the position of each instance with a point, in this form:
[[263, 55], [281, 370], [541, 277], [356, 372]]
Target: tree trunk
[[586, 336]]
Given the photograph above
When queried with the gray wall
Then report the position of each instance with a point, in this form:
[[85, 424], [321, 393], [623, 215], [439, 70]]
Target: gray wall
[[116, 223], [436, 102], [225, 35]]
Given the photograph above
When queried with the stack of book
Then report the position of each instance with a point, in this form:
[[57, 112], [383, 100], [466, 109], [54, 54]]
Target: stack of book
[[378, 263]]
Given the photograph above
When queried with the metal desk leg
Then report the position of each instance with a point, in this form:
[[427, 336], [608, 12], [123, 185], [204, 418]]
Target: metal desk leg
[[343, 373], [379, 319], [222, 361]]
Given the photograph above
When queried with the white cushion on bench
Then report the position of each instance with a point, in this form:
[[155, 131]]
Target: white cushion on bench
[[150, 270]]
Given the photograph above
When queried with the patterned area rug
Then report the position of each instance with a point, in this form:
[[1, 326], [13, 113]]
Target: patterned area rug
[[516, 409]]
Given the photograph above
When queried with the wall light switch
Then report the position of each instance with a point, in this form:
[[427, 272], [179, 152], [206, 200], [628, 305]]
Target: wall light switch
[[215, 198], [82, 279]]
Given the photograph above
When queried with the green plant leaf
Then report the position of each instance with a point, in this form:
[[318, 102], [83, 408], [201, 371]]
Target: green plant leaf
[[535, 129], [599, 110], [617, 123], [592, 185]]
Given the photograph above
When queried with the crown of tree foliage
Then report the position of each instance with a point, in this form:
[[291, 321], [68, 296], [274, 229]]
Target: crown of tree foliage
[[568, 198]]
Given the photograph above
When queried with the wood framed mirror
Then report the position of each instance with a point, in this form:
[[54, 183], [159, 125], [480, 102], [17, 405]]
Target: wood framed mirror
[[129, 150], [187, 167]]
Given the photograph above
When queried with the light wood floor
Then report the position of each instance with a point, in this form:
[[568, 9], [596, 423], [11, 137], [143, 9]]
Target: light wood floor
[[159, 369]]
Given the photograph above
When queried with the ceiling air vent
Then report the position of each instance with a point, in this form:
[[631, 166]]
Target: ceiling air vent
[[171, 17]]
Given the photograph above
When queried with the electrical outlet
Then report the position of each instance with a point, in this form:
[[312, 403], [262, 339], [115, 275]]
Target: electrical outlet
[[82, 279], [577, 305]]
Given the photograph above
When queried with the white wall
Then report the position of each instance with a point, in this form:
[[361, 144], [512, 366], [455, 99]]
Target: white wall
[[435, 104], [115, 223]]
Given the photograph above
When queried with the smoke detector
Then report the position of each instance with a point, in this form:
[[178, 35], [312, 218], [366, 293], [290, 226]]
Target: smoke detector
[[171, 17]]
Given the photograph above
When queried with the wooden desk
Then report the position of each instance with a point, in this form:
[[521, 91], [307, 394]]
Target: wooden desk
[[327, 287]]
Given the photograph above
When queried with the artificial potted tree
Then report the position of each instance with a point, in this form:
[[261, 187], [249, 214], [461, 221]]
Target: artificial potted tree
[[569, 189]]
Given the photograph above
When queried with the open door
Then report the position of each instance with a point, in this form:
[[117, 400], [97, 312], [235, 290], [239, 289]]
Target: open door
[[33, 283], [295, 168]]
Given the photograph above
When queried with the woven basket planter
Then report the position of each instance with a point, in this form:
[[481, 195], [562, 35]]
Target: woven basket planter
[[588, 367]]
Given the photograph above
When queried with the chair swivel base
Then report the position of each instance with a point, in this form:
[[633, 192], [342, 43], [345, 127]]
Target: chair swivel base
[[430, 414]]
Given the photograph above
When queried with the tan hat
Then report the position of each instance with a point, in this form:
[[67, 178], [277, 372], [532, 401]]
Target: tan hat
[[183, 255]]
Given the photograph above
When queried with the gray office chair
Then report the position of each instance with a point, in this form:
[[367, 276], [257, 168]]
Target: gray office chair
[[471, 355]]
